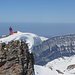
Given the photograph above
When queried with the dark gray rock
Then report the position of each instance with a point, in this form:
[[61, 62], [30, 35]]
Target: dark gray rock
[[15, 59]]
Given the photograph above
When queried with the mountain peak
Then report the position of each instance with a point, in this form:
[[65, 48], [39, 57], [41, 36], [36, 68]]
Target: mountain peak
[[30, 38]]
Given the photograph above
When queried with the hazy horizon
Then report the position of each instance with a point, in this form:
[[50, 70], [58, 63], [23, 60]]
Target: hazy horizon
[[40, 29]]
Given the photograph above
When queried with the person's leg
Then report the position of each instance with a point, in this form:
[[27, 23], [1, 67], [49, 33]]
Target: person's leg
[[10, 33]]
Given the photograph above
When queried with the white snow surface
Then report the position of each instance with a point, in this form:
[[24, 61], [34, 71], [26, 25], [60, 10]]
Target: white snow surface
[[57, 64], [42, 70], [29, 38], [43, 38], [62, 64]]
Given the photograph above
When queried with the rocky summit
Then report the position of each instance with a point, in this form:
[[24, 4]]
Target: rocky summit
[[15, 59]]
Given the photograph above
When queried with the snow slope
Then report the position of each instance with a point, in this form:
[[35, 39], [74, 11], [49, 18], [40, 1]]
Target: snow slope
[[29, 38], [42, 70], [60, 66]]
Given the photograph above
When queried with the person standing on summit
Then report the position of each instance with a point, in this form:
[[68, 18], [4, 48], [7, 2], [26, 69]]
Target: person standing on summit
[[10, 29]]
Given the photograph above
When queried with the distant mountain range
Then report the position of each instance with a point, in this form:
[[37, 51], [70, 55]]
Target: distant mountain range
[[53, 48]]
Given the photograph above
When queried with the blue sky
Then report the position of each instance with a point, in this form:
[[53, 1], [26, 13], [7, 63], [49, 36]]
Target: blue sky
[[43, 17], [49, 11]]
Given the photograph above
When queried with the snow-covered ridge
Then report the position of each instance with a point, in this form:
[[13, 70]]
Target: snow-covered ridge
[[29, 38], [43, 38]]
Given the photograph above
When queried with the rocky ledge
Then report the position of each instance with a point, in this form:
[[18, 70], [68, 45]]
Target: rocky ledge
[[15, 59]]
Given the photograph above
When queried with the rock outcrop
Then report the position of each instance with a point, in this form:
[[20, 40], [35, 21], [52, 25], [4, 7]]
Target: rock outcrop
[[15, 59]]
